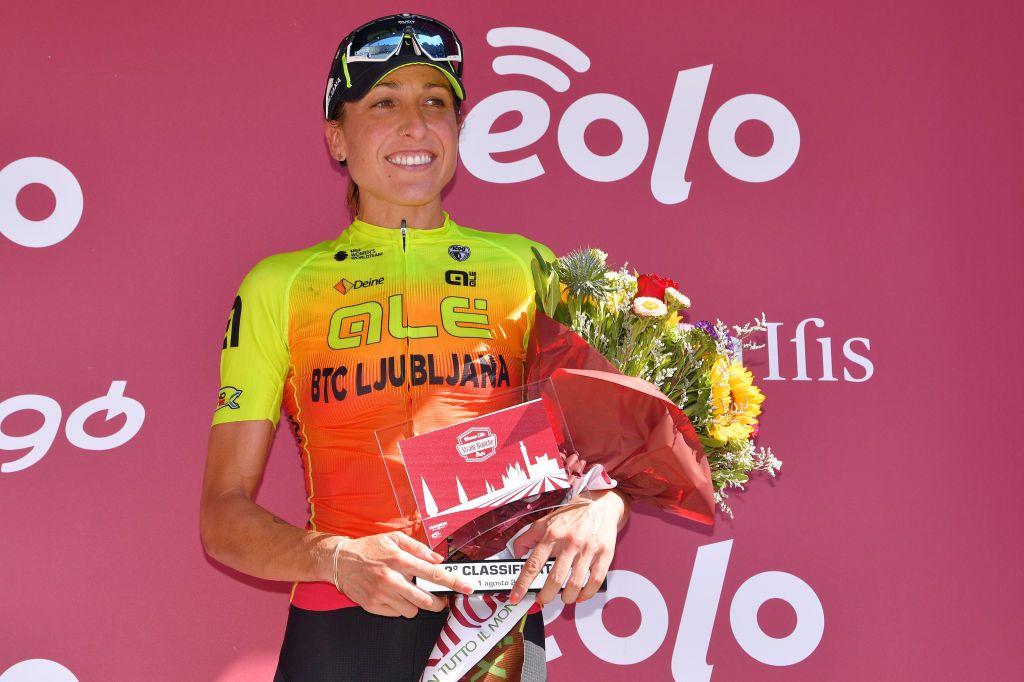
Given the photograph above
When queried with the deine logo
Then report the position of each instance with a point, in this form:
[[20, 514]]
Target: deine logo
[[696, 622], [347, 285], [114, 403], [668, 179], [66, 213]]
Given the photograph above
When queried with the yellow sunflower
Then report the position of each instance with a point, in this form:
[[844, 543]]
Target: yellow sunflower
[[735, 401]]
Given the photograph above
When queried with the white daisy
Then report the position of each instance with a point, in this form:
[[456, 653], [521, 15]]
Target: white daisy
[[676, 298], [648, 306]]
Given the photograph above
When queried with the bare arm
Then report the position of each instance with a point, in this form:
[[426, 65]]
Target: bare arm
[[238, 532], [372, 571]]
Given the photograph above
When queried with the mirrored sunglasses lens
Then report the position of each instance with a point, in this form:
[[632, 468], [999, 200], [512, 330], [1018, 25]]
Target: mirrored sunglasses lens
[[437, 40], [433, 45], [376, 45]]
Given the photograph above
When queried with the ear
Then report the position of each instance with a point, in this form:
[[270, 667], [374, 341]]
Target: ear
[[335, 140]]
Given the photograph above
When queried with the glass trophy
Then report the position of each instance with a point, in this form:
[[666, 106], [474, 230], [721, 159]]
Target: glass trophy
[[470, 487]]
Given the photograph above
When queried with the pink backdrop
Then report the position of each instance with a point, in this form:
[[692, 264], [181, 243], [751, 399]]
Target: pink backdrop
[[191, 136]]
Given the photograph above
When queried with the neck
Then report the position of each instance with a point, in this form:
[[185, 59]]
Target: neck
[[383, 214]]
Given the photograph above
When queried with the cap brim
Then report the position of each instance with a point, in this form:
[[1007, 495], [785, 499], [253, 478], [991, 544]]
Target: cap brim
[[456, 85], [363, 76]]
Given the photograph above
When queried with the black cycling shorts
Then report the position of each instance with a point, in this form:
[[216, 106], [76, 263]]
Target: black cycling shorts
[[351, 644]]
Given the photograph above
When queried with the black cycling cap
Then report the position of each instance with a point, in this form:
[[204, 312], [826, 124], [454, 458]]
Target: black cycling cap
[[375, 49]]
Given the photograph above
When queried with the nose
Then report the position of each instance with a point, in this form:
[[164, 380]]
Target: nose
[[413, 124]]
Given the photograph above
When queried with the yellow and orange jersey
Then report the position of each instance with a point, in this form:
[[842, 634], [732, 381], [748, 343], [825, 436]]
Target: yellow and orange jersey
[[378, 329]]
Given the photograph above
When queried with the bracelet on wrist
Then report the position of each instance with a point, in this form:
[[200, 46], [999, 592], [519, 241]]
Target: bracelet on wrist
[[334, 562]]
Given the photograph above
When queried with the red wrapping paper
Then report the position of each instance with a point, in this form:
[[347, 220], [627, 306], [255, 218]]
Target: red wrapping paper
[[626, 424]]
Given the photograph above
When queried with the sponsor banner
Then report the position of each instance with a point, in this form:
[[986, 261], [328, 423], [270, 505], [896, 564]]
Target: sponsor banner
[[115, 403], [860, 185]]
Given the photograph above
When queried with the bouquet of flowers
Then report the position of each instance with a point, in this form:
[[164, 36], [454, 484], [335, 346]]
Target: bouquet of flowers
[[636, 323]]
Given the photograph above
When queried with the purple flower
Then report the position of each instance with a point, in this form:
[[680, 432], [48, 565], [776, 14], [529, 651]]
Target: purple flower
[[707, 328]]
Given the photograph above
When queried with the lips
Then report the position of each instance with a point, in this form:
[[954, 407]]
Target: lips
[[410, 159]]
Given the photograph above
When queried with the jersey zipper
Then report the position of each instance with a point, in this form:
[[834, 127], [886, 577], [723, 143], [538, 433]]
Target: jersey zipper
[[408, 341]]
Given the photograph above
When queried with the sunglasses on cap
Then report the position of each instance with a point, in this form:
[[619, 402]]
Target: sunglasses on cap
[[375, 49], [381, 39]]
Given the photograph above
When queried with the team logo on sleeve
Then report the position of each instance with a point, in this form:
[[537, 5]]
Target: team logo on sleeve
[[228, 397], [458, 252]]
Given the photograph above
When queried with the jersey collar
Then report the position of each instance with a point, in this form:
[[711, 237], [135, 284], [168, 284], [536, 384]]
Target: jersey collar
[[363, 230]]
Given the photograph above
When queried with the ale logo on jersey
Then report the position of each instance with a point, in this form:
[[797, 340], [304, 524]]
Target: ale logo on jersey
[[460, 278], [346, 285], [477, 444]]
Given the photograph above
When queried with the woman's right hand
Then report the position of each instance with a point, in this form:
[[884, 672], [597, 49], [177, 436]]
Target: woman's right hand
[[375, 572]]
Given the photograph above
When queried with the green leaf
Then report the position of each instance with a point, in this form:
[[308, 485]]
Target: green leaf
[[545, 283]]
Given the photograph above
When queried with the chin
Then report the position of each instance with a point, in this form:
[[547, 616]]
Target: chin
[[418, 196]]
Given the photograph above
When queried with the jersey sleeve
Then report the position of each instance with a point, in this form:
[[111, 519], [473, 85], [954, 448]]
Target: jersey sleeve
[[254, 360]]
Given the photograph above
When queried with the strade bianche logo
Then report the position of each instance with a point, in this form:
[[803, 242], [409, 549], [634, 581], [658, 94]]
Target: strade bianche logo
[[668, 178], [477, 444]]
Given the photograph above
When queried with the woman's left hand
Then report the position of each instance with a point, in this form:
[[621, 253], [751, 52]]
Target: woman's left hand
[[582, 537]]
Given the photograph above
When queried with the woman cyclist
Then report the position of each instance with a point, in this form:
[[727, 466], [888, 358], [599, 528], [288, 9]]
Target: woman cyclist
[[405, 317]]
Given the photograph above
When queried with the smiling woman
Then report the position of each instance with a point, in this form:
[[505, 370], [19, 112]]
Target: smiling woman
[[400, 143], [339, 335]]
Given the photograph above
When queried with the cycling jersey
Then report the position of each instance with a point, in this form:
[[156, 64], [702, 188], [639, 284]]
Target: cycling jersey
[[379, 328]]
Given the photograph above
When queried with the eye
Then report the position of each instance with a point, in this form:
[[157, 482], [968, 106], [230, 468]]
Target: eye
[[382, 104]]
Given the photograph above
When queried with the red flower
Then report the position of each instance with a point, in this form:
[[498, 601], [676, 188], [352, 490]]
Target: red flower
[[654, 286]]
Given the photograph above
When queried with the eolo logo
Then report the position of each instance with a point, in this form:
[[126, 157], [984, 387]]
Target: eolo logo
[[668, 178], [67, 193]]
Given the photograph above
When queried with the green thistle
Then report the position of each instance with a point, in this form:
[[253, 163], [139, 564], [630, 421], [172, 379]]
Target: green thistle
[[582, 272]]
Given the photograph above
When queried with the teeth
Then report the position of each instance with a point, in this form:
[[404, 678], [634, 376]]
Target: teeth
[[410, 159]]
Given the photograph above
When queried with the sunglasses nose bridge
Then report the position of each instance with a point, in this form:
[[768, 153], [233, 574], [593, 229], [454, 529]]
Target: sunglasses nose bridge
[[408, 35]]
